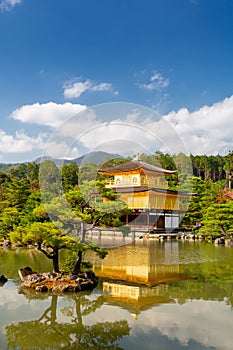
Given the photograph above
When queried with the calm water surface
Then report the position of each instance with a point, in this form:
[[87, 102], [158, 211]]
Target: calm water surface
[[151, 295]]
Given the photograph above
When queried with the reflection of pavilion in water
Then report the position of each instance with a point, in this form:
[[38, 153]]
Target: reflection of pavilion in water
[[135, 298], [141, 263]]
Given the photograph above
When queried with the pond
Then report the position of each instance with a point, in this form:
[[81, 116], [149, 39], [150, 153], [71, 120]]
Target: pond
[[151, 295]]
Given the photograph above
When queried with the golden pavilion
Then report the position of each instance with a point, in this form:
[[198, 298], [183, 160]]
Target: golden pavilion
[[144, 188]]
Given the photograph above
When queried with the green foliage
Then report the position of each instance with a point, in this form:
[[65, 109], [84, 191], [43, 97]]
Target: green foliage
[[69, 176], [4, 179], [27, 172], [105, 192], [9, 219], [108, 163], [37, 233], [89, 203], [206, 193], [158, 159], [69, 259], [48, 239], [87, 172], [5, 167], [40, 212], [73, 261], [218, 219], [75, 204], [16, 193], [209, 167], [33, 201], [50, 179], [183, 163], [72, 335], [19, 171]]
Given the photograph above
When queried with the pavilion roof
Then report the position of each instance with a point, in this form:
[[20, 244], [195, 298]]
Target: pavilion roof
[[135, 165]]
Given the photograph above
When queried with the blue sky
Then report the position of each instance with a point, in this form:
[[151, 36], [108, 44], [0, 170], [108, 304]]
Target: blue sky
[[60, 57]]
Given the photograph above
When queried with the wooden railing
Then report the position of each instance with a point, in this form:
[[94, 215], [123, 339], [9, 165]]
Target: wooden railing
[[112, 183]]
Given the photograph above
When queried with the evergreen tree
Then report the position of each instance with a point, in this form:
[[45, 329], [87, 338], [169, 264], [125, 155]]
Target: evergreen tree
[[218, 219], [69, 176]]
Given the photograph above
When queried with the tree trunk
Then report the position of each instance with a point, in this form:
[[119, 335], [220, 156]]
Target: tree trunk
[[55, 261], [228, 180], [77, 267], [82, 232], [223, 231], [53, 312], [79, 334]]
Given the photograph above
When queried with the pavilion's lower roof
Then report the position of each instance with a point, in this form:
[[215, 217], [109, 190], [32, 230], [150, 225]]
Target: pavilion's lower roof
[[138, 189]]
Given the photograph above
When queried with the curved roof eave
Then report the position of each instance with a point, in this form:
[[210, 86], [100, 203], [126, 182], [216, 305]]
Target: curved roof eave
[[135, 165]]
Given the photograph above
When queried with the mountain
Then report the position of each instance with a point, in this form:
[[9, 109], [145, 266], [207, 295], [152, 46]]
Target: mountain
[[95, 157], [55, 160], [91, 157]]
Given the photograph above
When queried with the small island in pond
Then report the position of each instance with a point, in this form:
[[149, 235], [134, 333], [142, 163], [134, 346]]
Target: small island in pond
[[55, 282]]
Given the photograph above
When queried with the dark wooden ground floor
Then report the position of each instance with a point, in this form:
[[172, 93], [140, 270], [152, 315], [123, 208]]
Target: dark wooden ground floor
[[153, 219]]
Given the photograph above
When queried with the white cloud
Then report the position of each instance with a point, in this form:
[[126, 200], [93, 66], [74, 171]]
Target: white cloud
[[174, 321], [195, 320], [74, 89], [116, 129], [207, 130], [60, 150], [49, 114], [118, 137], [7, 5], [20, 142], [156, 82], [140, 130], [147, 86], [102, 87]]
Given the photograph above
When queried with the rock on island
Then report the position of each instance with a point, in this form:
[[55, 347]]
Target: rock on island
[[56, 282]]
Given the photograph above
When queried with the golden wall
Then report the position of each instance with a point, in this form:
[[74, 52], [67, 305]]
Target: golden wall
[[150, 200]]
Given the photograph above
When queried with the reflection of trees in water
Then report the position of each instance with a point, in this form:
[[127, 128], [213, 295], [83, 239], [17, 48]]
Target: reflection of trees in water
[[47, 333], [13, 259], [200, 289]]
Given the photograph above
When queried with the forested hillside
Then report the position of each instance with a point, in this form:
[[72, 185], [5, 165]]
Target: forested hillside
[[211, 167], [214, 168]]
